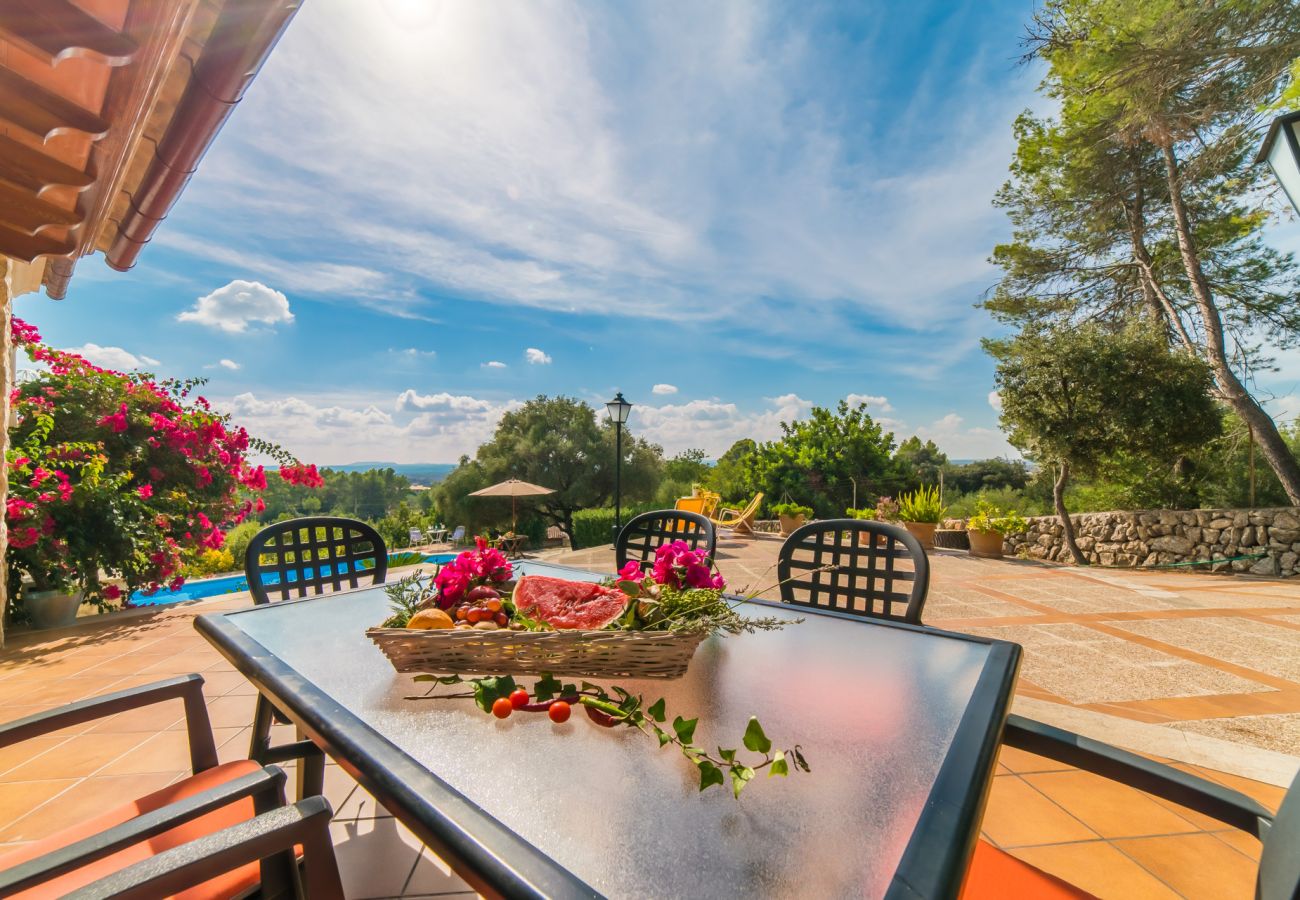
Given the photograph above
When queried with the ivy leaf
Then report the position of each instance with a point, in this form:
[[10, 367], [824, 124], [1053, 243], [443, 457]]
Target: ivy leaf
[[546, 688], [755, 739], [685, 729], [709, 774], [664, 737], [740, 776], [487, 690], [728, 755], [569, 690], [656, 711], [779, 765]]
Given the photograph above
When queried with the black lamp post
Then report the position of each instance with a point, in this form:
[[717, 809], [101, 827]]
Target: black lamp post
[[618, 410], [1282, 151]]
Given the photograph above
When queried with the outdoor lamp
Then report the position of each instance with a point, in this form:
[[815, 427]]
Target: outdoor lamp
[[1282, 150], [618, 410]]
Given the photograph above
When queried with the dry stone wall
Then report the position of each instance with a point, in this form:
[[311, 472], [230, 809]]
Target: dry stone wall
[[1164, 536]]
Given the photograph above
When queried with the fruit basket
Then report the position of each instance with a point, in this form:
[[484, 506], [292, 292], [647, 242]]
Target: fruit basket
[[572, 652]]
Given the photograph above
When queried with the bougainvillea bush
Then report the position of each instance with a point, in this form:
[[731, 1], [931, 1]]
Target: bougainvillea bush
[[118, 477]]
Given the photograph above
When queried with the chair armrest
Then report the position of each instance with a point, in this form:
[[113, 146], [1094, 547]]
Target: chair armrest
[[271, 835], [188, 688], [1191, 791], [265, 786]]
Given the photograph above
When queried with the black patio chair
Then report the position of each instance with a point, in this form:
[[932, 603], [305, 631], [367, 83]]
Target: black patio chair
[[857, 566], [310, 554], [994, 873], [645, 533], [225, 827]]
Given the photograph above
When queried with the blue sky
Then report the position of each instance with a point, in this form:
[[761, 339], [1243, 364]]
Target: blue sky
[[425, 212]]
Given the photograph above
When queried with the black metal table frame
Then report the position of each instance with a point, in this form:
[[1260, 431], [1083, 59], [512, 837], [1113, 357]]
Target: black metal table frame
[[497, 862]]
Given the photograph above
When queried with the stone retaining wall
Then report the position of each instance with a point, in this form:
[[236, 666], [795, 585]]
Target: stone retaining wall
[[1162, 536]]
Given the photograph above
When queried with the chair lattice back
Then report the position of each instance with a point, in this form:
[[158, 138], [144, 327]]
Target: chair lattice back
[[305, 557], [858, 566], [646, 533]]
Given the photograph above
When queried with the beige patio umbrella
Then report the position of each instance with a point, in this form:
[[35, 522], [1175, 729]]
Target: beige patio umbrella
[[513, 488]]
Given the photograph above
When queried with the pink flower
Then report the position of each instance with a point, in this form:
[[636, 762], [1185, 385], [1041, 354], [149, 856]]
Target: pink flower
[[112, 592], [631, 572], [145, 491]]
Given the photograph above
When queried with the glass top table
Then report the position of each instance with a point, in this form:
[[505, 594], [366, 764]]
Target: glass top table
[[899, 724]]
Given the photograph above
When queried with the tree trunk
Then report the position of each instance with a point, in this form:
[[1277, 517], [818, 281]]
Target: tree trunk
[[1162, 308], [1067, 527], [1234, 393]]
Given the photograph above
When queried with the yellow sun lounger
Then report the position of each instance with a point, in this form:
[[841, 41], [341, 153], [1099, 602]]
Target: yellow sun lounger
[[705, 503], [742, 522]]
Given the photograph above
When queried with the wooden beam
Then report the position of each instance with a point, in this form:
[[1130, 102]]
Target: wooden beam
[[43, 112], [28, 247], [58, 30], [24, 211], [28, 168]]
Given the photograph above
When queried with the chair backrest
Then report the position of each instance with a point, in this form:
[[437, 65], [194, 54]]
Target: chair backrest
[[1279, 860], [646, 533], [310, 554], [749, 511], [416, 536], [855, 566], [458, 534], [691, 504], [711, 501]]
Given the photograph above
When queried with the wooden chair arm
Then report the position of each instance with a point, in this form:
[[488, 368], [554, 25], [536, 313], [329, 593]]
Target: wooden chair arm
[[265, 787], [188, 688], [272, 834], [1191, 791]]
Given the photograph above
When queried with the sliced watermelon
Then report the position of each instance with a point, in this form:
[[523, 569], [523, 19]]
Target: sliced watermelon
[[568, 604]]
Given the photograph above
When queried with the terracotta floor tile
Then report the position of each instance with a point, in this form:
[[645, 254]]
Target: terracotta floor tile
[[154, 718], [1242, 842], [1107, 807], [1195, 865], [1267, 794], [219, 683], [1099, 869], [1017, 816], [128, 664], [86, 798], [236, 746], [231, 711], [168, 751], [432, 876], [77, 757], [17, 754], [1021, 761], [18, 798]]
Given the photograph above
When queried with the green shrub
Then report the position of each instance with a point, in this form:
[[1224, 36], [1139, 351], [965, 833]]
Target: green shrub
[[238, 539], [990, 518], [921, 505], [593, 527], [210, 562], [868, 513], [961, 506]]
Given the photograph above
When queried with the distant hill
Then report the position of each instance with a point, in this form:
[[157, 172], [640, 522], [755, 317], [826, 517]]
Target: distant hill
[[418, 473]]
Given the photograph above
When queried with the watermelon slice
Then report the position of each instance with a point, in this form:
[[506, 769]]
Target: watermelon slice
[[568, 604]]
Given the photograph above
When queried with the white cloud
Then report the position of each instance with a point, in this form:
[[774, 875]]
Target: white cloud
[[960, 441], [871, 400], [995, 401], [664, 389], [296, 413], [493, 364], [413, 353], [229, 364], [713, 425], [536, 357], [237, 305], [410, 401], [113, 357]]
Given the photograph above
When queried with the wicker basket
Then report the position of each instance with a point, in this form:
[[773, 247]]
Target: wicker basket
[[591, 654]]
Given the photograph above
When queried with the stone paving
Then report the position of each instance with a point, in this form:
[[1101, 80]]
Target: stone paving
[[1129, 657]]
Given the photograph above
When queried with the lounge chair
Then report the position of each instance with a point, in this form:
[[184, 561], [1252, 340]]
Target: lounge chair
[[705, 503], [740, 522], [458, 536], [416, 537]]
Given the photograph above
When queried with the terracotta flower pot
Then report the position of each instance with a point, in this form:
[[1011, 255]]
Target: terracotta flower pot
[[51, 609], [923, 532], [986, 543], [790, 523]]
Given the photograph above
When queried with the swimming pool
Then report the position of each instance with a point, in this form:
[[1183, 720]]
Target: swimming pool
[[229, 584]]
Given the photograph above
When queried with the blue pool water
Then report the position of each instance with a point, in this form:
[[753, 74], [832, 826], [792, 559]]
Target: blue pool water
[[229, 584]]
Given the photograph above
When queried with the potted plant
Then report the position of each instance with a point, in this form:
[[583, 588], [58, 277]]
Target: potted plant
[[869, 513], [989, 527], [921, 513], [792, 515]]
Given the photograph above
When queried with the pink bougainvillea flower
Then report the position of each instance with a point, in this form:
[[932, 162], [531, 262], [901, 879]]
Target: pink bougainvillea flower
[[145, 491], [112, 592], [631, 572]]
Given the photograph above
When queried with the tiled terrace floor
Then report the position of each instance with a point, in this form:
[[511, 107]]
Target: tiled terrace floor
[[1210, 656]]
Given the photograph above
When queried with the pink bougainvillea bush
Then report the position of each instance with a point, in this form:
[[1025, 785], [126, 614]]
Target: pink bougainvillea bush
[[120, 476]]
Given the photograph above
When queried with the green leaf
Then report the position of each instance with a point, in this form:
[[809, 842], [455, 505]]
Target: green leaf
[[799, 761], [546, 688], [728, 755], [709, 774], [779, 765], [664, 737], [740, 776], [569, 690], [685, 729], [487, 690], [755, 739], [427, 678], [656, 711]]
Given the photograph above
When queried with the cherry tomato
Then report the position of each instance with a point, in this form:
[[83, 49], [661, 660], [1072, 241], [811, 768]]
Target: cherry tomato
[[501, 708], [559, 712], [518, 698], [493, 605], [502, 619]]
